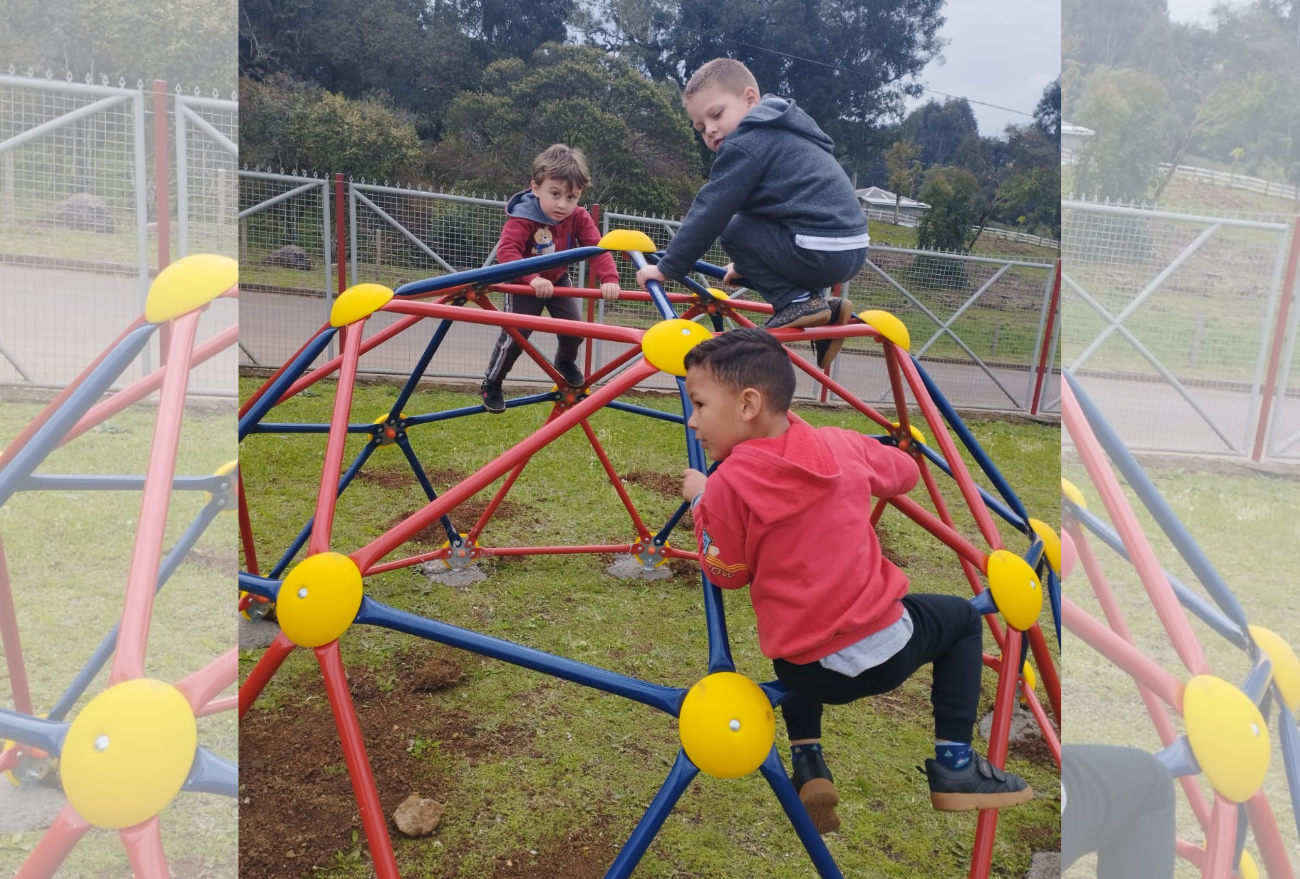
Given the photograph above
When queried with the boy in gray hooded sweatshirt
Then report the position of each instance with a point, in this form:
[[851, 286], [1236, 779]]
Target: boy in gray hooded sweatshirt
[[784, 209]]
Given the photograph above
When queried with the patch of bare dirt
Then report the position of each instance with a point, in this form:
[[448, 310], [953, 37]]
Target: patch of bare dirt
[[223, 561], [662, 483]]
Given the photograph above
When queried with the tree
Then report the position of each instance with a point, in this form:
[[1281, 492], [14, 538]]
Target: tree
[[1129, 111], [638, 141], [1047, 115], [939, 129], [903, 171], [953, 195], [1110, 33]]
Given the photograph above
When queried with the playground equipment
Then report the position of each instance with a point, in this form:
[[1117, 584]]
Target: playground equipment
[[131, 749], [726, 721], [1226, 727]]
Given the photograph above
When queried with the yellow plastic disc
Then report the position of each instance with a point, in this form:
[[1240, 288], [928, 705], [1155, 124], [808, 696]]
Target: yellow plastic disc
[[888, 326], [1227, 735], [911, 428], [1072, 494], [1051, 543], [727, 726], [627, 239], [128, 753], [319, 599], [1286, 667], [665, 344], [1248, 869], [188, 284], [718, 294], [1016, 589], [223, 470], [357, 302]]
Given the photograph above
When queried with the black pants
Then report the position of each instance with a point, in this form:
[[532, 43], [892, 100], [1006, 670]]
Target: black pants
[[946, 631], [766, 255], [507, 350], [1119, 803]]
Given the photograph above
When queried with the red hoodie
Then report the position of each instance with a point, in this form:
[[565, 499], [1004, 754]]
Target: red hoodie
[[791, 517], [529, 232]]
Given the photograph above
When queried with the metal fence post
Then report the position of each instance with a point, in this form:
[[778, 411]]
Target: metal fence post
[[1275, 349]]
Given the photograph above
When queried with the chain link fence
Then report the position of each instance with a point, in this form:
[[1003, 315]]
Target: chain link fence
[[1168, 322], [77, 241], [207, 163], [976, 323]]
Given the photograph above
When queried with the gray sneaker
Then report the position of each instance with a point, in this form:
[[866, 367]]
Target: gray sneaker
[[979, 785]]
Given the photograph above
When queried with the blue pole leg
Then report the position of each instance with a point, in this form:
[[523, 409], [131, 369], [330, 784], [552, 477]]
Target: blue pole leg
[[404, 442], [281, 384], [421, 365], [679, 778], [353, 469], [1290, 740], [211, 774], [774, 772]]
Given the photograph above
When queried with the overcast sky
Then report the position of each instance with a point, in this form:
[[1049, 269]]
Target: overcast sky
[[1002, 52]]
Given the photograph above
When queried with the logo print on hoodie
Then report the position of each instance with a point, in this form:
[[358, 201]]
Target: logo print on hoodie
[[543, 242]]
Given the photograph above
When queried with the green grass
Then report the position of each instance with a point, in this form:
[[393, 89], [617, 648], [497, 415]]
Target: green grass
[[1241, 521], [68, 555], [589, 760]]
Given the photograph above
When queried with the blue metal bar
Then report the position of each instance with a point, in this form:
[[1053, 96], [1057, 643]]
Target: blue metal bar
[[477, 409], [117, 483], [776, 692], [1054, 596], [501, 272], [293, 427], [679, 778], [34, 732], [774, 772], [1198, 606], [1290, 741], [968, 440], [643, 410], [366, 451], [421, 365], [662, 537], [667, 699], [211, 774], [166, 568], [1160, 510], [268, 400], [654, 288], [1014, 520], [1178, 759], [404, 443], [266, 587], [1256, 685], [78, 403]]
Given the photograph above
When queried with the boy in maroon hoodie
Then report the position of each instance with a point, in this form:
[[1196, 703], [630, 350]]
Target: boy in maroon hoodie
[[837, 621], [546, 218]]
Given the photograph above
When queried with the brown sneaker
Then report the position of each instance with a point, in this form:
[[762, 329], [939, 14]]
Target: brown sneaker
[[828, 349], [816, 788]]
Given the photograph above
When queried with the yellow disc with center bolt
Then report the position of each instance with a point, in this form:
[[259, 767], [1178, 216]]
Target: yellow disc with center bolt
[[893, 329], [128, 753], [1227, 735], [188, 284], [627, 239], [1072, 494], [665, 344], [727, 725], [1016, 589], [1051, 543], [319, 599], [1286, 667], [357, 302]]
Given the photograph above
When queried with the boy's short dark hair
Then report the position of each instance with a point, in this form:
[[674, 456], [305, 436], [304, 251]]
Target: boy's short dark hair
[[563, 163], [724, 73], [748, 358]]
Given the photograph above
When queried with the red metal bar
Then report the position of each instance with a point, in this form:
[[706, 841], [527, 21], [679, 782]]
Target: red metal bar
[[1123, 654], [642, 531], [927, 520], [144, 849], [824, 379], [162, 207], [616, 363], [399, 534], [18, 442], [257, 395], [341, 252], [201, 686], [960, 474], [588, 354], [320, 372], [265, 669], [354, 754], [1220, 839], [142, 578], [1263, 826], [1140, 553], [1036, 400], [9, 639], [900, 396], [216, 707], [54, 846], [1046, 671], [1279, 340], [148, 384], [328, 494], [519, 321], [488, 552], [999, 736], [1044, 725], [246, 529]]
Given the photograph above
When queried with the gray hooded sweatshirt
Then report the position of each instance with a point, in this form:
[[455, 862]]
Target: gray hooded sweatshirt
[[777, 166]]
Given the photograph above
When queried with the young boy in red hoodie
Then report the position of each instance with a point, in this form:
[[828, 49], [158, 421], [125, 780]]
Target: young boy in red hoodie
[[546, 218], [837, 622]]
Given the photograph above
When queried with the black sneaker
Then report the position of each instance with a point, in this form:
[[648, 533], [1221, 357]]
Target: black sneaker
[[980, 785], [812, 312], [813, 782], [571, 374], [493, 400], [827, 349]]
